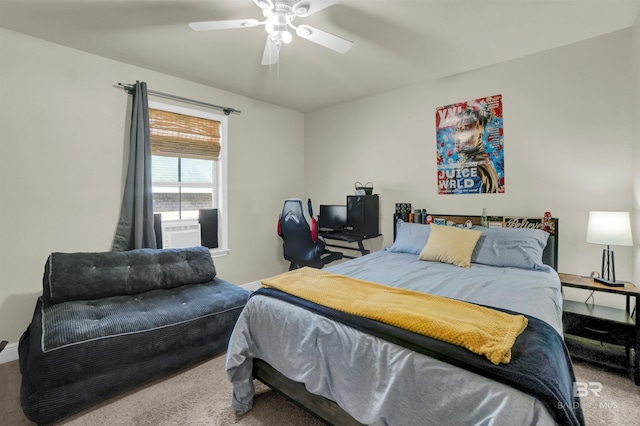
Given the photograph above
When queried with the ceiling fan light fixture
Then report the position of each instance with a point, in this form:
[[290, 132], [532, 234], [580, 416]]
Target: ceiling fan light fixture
[[286, 37], [269, 27], [277, 23]]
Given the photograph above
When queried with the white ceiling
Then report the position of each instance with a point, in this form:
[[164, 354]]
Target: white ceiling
[[396, 42]]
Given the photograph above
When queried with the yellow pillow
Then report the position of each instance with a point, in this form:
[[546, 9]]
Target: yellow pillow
[[449, 244]]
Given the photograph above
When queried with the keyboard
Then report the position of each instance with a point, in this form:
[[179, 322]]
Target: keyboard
[[329, 230]]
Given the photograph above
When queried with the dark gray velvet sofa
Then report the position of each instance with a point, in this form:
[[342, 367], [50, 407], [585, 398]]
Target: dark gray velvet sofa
[[108, 322]]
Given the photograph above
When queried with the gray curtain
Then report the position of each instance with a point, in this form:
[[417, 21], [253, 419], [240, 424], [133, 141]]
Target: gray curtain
[[135, 228]]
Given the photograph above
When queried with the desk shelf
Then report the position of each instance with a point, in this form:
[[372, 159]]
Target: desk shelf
[[347, 238], [619, 316]]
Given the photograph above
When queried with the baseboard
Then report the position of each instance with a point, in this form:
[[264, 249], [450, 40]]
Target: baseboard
[[10, 353], [252, 286]]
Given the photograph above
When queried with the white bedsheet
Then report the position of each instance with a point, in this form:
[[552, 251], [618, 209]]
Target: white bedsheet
[[378, 382]]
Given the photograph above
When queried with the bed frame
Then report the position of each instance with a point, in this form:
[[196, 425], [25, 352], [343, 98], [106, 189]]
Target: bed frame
[[321, 407], [326, 409]]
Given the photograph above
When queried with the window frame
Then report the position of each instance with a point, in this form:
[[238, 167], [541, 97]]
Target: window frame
[[220, 177]]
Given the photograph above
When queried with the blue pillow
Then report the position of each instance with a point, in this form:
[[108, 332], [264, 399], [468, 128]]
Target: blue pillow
[[410, 237], [510, 247]]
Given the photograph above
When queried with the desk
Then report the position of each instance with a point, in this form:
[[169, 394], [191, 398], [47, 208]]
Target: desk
[[347, 238]]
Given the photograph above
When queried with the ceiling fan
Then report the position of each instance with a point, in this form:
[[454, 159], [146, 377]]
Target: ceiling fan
[[279, 16]]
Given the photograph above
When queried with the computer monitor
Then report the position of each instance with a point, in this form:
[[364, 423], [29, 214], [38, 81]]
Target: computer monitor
[[332, 217]]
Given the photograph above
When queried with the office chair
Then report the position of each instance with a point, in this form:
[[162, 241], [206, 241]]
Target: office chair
[[302, 246]]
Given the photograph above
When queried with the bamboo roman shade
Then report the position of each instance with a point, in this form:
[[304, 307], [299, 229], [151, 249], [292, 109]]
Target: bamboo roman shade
[[179, 135]]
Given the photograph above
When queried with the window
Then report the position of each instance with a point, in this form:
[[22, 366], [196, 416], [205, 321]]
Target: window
[[181, 186], [188, 149]]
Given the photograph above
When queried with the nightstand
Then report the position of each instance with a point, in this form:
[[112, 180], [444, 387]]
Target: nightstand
[[602, 323]]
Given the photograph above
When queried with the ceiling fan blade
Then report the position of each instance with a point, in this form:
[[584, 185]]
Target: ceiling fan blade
[[271, 52], [264, 4], [309, 7], [224, 25], [324, 38]]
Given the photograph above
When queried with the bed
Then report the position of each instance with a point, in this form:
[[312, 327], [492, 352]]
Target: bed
[[349, 370]]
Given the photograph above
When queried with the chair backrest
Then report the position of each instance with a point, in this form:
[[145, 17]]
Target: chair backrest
[[298, 243]]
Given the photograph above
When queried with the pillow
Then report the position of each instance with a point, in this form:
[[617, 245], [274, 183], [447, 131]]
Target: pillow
[[511, 247], [449, 244], [410, 237]]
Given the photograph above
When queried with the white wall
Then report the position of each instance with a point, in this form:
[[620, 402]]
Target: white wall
[[635, 75], [567, 132], [63, 131]]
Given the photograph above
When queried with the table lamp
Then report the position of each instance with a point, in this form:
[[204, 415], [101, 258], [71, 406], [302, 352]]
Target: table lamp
[[611, 229]]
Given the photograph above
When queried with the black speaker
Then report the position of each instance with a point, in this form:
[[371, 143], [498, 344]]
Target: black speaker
[[208, 219], [363, 214], [157, 229]]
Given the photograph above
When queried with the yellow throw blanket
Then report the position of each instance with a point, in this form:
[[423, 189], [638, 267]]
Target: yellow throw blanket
[[482, 330]]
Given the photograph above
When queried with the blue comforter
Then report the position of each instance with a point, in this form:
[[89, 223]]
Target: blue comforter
[[540, 363]]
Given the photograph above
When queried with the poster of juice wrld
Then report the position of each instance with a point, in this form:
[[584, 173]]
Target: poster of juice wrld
[[470, 147]]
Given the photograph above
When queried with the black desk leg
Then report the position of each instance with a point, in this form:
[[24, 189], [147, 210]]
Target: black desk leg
[[363, 250]]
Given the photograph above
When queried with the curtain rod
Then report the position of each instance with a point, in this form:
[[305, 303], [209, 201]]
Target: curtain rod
[[226, 110]]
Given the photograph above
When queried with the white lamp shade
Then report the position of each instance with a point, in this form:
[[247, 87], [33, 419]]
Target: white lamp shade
[[609, 228]]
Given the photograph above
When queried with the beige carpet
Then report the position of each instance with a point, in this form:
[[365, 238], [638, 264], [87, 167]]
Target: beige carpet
[[201, 395], [618, 404]]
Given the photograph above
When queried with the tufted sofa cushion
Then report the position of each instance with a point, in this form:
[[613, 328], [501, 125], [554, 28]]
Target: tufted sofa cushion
[[87, 276], [87, 337], [77, 353]]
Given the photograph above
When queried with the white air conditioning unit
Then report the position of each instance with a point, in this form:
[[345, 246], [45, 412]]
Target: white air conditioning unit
[[180, 235]]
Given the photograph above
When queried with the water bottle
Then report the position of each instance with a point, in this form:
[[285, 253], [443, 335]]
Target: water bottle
[[483, 220]]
